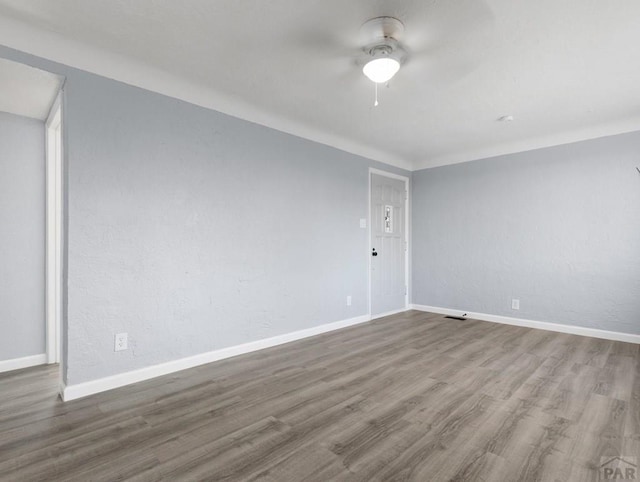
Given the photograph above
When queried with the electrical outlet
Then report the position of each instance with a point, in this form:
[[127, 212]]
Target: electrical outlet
[[121, 342], [349, 300], [515, 304]]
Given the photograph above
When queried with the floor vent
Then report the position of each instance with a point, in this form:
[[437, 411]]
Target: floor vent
[[461, 318]]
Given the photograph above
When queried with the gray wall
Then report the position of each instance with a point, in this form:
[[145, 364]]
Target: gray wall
[[22, 236], [193, 231], [557, 228]]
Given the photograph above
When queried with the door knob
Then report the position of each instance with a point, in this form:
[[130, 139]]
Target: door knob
[[374, 253]]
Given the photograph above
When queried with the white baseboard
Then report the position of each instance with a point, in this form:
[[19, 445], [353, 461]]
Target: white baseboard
[[24, 362], [388, 313], [72, 392], [540, 325]]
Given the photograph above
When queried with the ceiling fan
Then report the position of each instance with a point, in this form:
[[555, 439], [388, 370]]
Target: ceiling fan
[[383, 54], [421, 45], [439, 43]]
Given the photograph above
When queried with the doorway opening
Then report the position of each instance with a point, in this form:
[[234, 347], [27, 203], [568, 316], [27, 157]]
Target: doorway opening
[[31, 202]]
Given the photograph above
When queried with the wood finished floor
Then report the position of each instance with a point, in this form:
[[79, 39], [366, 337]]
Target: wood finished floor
[[414, 396]]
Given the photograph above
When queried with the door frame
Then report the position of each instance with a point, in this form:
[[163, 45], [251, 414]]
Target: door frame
[[407, 278], [54, 168]]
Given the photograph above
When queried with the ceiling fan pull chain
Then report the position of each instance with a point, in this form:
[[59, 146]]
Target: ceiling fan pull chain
[[375, 104]]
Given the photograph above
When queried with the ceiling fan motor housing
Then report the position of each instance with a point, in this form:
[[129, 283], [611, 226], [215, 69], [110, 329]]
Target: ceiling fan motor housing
[[381, 36]]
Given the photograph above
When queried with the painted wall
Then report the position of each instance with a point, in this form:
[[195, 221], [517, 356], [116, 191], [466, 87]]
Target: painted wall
[[556, 228], [192, 230], [22, 237]]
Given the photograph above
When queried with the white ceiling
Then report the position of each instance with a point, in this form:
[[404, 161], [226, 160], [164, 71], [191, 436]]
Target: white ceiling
[[566, 70], [27, 91]]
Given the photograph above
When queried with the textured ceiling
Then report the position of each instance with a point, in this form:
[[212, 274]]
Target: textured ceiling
[[565, 70], [27, 91]]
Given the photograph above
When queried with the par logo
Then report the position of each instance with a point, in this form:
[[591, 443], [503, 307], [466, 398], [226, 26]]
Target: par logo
[[618, 468]]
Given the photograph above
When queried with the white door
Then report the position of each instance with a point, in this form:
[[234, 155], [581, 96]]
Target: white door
[[388, 245]]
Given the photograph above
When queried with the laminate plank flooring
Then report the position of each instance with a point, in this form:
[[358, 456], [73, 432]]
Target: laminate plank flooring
[[412, 396]]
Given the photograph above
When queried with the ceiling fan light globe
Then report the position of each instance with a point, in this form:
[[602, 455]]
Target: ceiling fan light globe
[[381, 70]]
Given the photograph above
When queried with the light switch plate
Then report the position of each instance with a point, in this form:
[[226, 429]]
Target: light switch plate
[[363, 223]]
